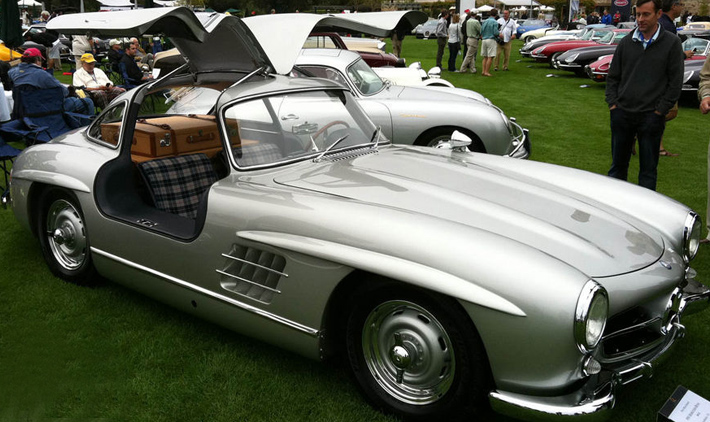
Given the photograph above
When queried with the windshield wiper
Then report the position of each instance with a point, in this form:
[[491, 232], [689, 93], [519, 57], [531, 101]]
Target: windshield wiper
[[331, 146]]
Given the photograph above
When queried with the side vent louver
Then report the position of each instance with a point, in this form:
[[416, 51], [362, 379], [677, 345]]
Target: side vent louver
[[252, 273]]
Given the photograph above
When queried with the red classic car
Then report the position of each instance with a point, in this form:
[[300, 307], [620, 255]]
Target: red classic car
[[598, 70], [373, 56], [547, 52]]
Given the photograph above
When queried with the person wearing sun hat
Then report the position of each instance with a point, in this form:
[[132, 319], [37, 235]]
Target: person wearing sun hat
[[95, 81], [29, 72]]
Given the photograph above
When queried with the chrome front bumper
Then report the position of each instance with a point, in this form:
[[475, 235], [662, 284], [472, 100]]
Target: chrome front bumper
[[521, 141], [597, 396]]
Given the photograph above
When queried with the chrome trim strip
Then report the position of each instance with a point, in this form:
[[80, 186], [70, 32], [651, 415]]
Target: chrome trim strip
[[243, 306], [256, 265], [248, 281]]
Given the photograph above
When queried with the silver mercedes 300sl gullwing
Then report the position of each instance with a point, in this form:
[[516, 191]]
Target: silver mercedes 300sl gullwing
[[450, 281]]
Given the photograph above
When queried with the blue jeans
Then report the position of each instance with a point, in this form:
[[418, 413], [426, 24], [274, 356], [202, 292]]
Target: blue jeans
[[647, 128]]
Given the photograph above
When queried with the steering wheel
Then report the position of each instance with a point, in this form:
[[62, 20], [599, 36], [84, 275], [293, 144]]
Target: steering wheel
[[331, 124]]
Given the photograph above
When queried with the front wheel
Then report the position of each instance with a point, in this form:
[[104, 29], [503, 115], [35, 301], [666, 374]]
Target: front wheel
[[63, 237], [432, 137], [417, 355]]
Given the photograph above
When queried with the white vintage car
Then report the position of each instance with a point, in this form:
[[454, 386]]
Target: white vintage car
[[448, 281]]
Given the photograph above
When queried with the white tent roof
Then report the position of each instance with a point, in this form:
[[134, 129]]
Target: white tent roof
[[116, 3], [520, 3], [29, 3], [485, 8]]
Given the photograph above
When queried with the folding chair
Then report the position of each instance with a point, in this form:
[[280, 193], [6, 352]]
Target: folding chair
[[7, 154], [39, 116], [128, 83]]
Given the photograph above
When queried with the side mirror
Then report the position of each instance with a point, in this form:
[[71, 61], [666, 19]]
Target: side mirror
[[459, 142], [434, 72]]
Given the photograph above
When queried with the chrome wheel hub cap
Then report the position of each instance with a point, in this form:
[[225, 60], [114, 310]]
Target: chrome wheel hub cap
[[408, 352], [66, 235]]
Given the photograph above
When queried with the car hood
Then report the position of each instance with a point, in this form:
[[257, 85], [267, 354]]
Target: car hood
[[269, 40], [489, 194]]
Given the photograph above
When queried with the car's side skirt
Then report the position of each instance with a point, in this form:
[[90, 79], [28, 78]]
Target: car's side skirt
[[226, 311]]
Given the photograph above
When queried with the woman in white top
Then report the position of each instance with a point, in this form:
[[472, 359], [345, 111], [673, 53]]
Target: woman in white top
[[455, 36]]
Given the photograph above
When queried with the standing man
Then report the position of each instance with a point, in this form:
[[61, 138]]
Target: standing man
[[704, 97], [507, 28], [442, 36], [644, 82], [489, 31], [473, 34], [606, 18]]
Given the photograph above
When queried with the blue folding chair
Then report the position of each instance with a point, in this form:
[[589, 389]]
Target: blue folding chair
[[39, 114], [7, 155]]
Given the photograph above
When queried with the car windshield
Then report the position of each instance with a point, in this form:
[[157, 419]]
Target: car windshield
[[364, 78], [287, 127], [534, 22], [697, 44]]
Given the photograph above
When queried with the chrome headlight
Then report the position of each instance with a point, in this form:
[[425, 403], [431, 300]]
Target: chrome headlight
[[590, 316], [691, 236], [572, 58], [539, 50]]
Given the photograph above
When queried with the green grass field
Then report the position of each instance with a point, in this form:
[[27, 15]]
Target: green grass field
[[108, 354]]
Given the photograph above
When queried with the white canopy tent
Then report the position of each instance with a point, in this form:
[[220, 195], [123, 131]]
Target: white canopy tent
[[485, 8], [29, 3]]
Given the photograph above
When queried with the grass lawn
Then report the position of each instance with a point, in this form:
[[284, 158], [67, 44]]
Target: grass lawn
[[106, 353]]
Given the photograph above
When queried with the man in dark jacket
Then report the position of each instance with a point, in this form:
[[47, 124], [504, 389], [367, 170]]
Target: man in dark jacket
[[643, 84], [129, 61]]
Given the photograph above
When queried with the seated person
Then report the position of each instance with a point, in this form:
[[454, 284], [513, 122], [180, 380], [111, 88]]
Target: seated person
[[97, 84], [141, 55], [132, 70], [29, 72], [114, 54]]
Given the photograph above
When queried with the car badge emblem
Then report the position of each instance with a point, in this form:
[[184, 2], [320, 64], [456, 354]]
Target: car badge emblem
[[665, 265]]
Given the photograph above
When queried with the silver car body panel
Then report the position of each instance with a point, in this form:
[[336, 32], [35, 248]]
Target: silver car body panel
[[513, 241]]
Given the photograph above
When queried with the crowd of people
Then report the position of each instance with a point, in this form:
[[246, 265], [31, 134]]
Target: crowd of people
[[493, 35]]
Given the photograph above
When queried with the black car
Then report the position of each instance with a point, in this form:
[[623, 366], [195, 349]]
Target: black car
[[691, 76], [577, 59]]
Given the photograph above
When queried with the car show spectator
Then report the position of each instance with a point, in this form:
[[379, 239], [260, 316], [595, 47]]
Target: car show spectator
[[81, 44], [400, 31], [489, 33], [442, 36], [95, 82], [473, 34], [643, 84], [132, 71], [29, 72], [114, 54], [617, 18], [507, 29], [141, 55], [606, 18], [455, 37]]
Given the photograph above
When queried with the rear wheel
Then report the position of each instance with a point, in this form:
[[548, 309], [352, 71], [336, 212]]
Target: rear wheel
[[416, 355], [63, 237]]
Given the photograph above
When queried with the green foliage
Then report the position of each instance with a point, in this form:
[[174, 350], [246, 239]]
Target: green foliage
[[107, 353], [703, 8]]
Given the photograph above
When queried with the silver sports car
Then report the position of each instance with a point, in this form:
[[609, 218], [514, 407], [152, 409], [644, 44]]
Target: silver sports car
[[419, 115], [448, 280]]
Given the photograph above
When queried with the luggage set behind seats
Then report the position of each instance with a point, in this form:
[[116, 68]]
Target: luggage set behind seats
[[173, 156]]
